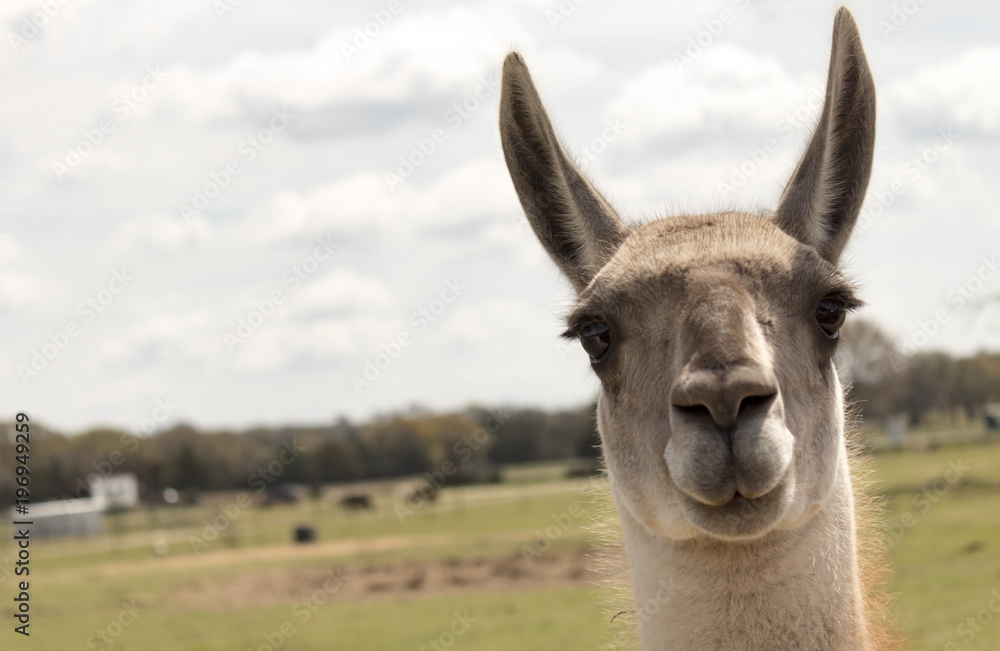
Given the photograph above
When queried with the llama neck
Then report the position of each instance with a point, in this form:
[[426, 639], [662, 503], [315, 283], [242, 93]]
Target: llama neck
[[790, 590]]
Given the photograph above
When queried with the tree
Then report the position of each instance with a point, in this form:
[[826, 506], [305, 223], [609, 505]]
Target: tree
[[929, 385], [189, 471]]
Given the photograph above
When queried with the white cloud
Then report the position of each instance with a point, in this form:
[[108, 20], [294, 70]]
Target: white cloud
[[726, 88], [489, 321], [160, 231], [192, 336], [356, 200], [963, 92], [17, 289], [361, 200], [280, 344], [338, 290], [398, 64]]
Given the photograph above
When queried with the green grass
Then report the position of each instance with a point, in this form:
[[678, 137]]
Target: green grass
[[945, 550], [945, 542], [552, 619]]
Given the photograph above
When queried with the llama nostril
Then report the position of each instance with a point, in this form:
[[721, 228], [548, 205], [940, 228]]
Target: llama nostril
[[724, 396], [755, 403], [700, 411]]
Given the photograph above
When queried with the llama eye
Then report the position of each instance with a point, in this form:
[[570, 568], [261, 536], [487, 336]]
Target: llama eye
[[596, 339], [831, 315]]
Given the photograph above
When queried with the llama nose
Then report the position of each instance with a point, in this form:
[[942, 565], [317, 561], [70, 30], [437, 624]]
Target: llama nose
[[724, 395]]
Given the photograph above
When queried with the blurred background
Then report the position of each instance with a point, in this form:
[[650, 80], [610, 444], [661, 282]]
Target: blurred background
[[289, 350]]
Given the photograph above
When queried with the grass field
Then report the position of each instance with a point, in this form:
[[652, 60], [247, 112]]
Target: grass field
[[453, 574]]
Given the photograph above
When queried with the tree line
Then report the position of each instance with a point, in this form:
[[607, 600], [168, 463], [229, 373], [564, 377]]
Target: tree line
[[475, 440], [887, 380]]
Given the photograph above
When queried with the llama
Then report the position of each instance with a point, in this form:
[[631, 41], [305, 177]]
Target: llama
[[721, 416]]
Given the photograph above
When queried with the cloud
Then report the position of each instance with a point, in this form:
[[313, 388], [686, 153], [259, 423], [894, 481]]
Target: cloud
[[340, 290], [350, 79], [281, 345], [17, 288], [193, 336], [727, 89], [962, 92], [160, 232], [362, 200]]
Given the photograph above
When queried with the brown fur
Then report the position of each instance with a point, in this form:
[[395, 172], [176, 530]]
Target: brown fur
[[874, 564]]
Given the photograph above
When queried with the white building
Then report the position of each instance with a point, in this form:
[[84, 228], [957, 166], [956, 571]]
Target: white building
[[84, 517], [63, 518], [115, 492]]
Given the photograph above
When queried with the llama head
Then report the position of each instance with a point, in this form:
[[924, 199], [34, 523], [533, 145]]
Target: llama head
[[713, 336]]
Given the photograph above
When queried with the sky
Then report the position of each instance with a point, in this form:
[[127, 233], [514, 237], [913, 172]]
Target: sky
[[235, 213]]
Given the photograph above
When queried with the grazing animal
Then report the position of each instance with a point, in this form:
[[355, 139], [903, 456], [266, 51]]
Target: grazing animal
[[721, 415], [356, 501]]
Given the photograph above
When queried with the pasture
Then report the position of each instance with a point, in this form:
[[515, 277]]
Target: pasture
[[456, 574]]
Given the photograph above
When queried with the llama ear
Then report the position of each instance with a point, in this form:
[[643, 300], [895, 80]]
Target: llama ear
[[824, 196], [576, 225]]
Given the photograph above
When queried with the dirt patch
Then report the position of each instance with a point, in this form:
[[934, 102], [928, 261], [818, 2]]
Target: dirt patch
[[381, 581]]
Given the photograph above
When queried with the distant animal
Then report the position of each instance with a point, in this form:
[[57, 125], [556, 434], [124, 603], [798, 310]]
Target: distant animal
[[284, 494], [720, 411], [356, 501]]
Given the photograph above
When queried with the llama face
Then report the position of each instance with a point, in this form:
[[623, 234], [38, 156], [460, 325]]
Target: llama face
[[713, 339]]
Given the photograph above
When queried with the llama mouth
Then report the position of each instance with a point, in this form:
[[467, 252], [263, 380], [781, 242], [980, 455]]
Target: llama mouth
[[741, 518]]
